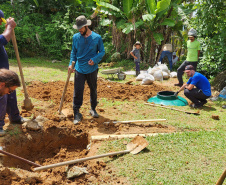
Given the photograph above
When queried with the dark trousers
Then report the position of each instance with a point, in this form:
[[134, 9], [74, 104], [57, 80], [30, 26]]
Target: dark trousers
[[137, 68], [196, 96], [180, 70], [168, 54], [8, 104], [79, 84]]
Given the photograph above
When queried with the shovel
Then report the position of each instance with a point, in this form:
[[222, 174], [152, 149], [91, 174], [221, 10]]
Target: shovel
[[135, 146], [65, 88], [19, 158], [27, 102]]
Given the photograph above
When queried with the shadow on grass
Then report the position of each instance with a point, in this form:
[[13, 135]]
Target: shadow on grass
[[208, 109]]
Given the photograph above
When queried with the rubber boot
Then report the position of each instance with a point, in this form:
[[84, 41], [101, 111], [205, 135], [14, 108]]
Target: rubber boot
[[137, 73]]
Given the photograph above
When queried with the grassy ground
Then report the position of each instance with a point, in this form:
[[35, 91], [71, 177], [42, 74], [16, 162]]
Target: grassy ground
[[194, 156]]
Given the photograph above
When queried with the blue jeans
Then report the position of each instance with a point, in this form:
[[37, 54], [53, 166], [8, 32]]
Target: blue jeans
[[168, 54], [8, 104]]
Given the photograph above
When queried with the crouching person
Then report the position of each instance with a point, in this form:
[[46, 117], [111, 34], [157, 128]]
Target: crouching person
[[9, 81], [197, 88]]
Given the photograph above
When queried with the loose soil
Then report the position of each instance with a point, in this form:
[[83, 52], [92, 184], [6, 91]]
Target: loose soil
[[60, 140]]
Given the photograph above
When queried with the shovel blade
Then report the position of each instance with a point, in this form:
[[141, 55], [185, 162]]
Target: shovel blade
[[28, 105], [137, 144]]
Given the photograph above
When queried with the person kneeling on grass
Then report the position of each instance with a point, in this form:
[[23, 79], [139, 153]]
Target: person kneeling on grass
[[9, 81], [202, 91]]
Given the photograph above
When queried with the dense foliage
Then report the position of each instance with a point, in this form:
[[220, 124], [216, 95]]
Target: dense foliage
[[44, 28]]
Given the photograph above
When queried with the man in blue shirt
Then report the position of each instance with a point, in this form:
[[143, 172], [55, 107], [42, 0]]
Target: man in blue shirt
[[87, 52], [202, 91], [8, 102]]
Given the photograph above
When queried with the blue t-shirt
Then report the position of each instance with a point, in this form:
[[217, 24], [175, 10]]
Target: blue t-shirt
[[84, 49], [201, 82], [3, 55]]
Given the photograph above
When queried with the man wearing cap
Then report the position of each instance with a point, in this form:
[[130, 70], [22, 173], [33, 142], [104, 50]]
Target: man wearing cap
[[197, 88], [87, 51], [193, 51], [8, 102]]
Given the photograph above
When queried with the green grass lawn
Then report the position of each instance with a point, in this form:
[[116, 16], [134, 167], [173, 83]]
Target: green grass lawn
[[195, 156]]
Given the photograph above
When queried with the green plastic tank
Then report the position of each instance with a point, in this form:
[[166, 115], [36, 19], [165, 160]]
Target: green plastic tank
[[168, 98]]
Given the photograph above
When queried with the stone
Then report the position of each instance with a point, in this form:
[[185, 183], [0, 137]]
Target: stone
[[75, 171]]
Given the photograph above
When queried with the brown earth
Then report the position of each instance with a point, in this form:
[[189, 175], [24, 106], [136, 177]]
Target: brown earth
[[60, 140]]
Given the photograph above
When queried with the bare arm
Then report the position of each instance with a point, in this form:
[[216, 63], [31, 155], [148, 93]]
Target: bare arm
[[187, 86], [9, 28]]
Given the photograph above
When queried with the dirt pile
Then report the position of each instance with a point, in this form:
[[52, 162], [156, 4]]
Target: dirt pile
[[60, 140], [105, 89]]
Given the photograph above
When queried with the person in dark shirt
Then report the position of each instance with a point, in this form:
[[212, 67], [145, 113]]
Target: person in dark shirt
[[8, 102]]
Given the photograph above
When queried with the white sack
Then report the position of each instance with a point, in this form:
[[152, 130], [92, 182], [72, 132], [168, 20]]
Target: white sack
[[154, 69], [165, 75], [140, 77], [164, 67], [148, 80], [173, 74], [158, 75]]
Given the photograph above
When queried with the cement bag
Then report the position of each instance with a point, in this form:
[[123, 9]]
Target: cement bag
[[165, 75], [164, 67], [149, 70], [158, 75], [154, 69], [173, 74], [140, 77], [148, 80]]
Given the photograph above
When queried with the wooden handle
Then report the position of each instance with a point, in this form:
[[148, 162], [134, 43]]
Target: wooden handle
[[20, 158], [79, 160], [19, 63], [138, 121], [65, 87], [221, 179]]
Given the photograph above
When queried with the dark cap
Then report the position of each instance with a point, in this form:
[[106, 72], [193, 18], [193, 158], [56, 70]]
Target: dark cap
[[1, 14], [189, 67], [81, 21]]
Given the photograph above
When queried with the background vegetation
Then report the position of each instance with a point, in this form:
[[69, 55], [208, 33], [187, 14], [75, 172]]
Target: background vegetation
[[44, 28]]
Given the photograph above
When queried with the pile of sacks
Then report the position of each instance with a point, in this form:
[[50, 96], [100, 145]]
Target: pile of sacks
[[159, 72]]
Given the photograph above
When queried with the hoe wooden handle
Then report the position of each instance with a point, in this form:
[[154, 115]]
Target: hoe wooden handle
[[221, 179], [19, 64], [65, 87], [79, 160]]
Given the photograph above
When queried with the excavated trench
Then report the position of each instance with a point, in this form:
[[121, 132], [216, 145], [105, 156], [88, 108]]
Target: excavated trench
[[43, 146]]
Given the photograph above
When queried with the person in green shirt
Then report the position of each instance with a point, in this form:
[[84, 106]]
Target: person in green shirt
[[193, 47]]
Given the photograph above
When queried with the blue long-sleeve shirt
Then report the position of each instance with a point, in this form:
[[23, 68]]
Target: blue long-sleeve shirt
[[84, 49]]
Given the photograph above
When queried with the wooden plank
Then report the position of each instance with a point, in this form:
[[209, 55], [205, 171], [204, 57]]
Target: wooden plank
[[113, 136]]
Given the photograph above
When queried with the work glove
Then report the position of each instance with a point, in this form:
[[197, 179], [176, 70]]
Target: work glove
[[176, 93]]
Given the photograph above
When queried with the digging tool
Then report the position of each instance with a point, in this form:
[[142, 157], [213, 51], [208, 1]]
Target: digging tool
[[27, 102], [20, 158], [221, 179], [65, 87], [166, 107], [136, 121], [134, 147]]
